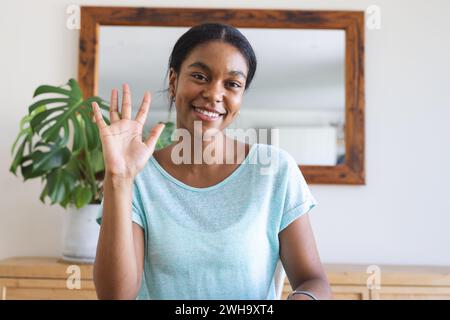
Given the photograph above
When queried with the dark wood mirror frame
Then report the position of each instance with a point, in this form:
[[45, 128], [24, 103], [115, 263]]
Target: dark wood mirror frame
[[352, 171]]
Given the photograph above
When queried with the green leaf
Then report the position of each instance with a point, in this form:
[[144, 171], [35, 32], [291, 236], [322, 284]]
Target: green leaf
[[78, 141], [75, 89], [92, 133], [43, 194], [54, 130], [72, 167], [26, 131], [69, 180], [97, 160], [45, 161], [20, 135], [40, 120], [101, 103], [29, 173], [166, 136], [46, 102], [65, 138], [18, 157], [56, 190], [50, 89], [83, 196]]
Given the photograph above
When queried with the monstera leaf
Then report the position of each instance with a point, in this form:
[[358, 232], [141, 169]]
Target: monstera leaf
[[166, 136], [42, 147], [59, 142]]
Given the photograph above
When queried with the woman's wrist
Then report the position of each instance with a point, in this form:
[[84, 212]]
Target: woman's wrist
[[118, 181], [301, 295]]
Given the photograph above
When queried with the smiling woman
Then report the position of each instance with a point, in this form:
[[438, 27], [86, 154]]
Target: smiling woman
[[201, 229], [210, 67]]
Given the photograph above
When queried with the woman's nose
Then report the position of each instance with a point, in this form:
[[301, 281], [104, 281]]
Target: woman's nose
[[213, 93]]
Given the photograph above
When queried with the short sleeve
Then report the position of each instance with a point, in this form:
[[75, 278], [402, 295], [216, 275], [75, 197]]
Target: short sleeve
[[137, 215], [298, 198]]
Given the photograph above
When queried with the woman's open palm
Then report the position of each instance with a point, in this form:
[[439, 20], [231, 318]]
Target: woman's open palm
[[124, 151]]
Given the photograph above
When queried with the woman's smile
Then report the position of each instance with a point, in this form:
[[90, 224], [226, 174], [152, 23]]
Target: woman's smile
[[206, 114]]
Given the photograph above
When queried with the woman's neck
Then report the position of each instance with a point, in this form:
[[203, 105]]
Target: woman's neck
[[196, 156]]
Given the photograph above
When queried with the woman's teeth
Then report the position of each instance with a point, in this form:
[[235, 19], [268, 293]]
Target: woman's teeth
[[207, 113]]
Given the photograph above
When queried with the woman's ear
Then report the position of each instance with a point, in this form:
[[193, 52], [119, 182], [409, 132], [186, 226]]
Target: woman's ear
[[172, 82]]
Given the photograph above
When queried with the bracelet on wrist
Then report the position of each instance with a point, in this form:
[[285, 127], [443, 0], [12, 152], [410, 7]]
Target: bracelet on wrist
[[306, 293]]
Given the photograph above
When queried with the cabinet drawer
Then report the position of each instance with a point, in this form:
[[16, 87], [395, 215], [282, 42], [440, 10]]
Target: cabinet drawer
[[340, 292], [349, 292], [411, 293], [44, 289]]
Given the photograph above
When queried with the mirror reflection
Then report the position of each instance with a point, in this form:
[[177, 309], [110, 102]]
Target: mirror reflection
[[297, 94]]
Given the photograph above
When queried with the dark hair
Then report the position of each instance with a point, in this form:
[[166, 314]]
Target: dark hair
[[207, 32]]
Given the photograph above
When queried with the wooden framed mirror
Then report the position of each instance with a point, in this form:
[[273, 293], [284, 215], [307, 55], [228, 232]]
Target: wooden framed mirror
[[309, 83]]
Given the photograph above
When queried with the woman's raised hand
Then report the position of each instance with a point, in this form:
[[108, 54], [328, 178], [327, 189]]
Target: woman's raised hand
[[124, 151]]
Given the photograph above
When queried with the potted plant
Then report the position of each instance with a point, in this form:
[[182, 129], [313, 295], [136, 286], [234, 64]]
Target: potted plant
[[59, 143]]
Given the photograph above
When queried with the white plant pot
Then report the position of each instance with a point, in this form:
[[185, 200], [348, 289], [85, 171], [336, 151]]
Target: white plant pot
[[81, 233]]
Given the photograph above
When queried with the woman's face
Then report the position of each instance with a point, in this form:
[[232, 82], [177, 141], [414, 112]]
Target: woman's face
[[212, 78]]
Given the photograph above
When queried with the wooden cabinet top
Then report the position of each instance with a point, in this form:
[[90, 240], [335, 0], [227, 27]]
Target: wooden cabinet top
[[389, 274], [346, 274], [41, 267]]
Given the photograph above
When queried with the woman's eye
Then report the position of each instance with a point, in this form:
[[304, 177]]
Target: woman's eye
[[235, 85], [203, 78], [198, 76]]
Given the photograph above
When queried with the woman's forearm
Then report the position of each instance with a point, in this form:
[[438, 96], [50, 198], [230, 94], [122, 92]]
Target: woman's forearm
[[115, 270]]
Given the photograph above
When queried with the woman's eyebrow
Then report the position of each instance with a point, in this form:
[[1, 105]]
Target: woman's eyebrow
[[203, 66]]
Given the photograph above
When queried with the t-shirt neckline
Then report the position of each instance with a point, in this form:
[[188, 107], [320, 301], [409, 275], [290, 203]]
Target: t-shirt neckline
[[217, 185]]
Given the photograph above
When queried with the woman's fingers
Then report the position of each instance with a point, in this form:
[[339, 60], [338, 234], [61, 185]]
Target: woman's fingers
[[114, 109], [126, 102], [101, 124], [126, 105], [143, 110], [154, 135]]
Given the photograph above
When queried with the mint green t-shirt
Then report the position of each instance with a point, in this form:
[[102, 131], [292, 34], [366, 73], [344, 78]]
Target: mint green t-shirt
[[218, 242]]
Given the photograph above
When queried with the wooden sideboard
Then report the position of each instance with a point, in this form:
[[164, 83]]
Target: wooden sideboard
[[44, 278], [356, 282], [51, 278]]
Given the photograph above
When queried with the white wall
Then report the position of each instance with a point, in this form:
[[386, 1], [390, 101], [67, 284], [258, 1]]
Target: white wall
[[401, 216]]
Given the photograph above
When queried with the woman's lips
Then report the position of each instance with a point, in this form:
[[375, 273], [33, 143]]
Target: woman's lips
[[206, 117]]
